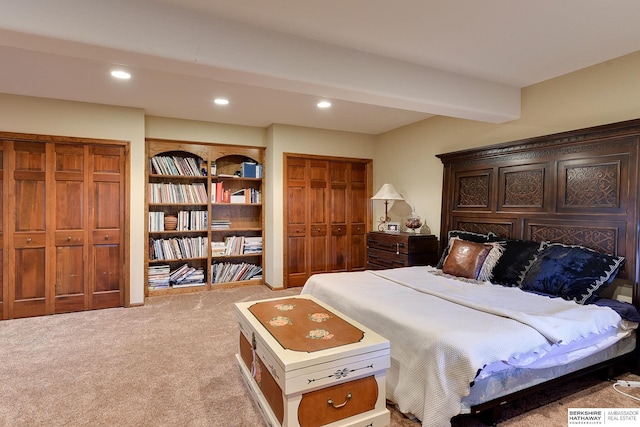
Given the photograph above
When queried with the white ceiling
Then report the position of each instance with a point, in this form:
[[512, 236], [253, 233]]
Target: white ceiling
[[382, 63]]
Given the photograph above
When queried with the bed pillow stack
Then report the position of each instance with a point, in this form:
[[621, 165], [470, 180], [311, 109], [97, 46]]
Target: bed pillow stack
[[568, 271]]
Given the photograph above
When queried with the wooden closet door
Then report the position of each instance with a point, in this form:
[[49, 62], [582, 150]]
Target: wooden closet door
[[70, 210], [358, 207], [106, 233], [28, 246], [297, 196], [318, 232], [339, 173]]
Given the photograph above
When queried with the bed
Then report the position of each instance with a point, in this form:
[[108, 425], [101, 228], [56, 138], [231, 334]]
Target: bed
[[538, 279]]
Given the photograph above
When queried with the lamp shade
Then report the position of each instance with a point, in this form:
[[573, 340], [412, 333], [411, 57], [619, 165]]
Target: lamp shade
[[387, 192]]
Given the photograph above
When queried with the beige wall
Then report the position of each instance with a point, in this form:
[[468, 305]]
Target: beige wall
[[605, 93]]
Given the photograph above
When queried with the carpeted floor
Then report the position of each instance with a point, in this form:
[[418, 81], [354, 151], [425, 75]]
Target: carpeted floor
[[170, 363]]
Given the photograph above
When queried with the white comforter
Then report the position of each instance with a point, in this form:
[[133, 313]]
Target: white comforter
[[443, 331]]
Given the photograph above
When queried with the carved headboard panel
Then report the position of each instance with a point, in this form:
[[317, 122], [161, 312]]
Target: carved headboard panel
[[578, 187]]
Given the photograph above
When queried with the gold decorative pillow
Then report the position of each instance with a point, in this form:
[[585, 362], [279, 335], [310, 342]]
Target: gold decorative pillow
[[465, 259]]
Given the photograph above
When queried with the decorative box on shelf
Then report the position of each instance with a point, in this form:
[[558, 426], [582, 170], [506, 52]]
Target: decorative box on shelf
[[392, 250], [307, 364]]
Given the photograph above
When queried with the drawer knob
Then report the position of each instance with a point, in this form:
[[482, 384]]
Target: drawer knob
[[330, 402]]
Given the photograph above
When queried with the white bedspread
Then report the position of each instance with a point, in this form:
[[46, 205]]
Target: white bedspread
[[443, 331]]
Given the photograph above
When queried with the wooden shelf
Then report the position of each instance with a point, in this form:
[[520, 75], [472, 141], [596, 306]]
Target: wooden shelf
[[247, 219]]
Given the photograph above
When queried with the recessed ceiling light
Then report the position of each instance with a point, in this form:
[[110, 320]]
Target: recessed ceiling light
[[119, 74], [324, 104], [221, 101]]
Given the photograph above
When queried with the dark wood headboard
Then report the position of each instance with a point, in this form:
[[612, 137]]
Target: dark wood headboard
[[577, 187]]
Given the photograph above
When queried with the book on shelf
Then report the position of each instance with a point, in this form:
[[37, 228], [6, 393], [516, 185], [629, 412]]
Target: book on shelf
[[218, 248], [220, 224], [156, 221]]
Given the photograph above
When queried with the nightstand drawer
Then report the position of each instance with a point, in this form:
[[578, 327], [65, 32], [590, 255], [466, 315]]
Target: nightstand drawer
[[388, 242], [386, 259]]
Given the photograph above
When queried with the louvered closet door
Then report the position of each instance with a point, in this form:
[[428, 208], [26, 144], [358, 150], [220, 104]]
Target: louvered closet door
[[28, 246]]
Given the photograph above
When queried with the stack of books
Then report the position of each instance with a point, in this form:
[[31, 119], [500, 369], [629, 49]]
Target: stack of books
[[159, 276], [252, 245], [234, 272], [220, 224], [186, 276]]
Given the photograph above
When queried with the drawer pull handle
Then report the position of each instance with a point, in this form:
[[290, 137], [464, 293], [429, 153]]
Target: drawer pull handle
[[397, 248], [330, 402], [29, 240]]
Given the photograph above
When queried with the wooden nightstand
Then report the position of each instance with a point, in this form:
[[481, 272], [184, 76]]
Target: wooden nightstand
[[391, 250]]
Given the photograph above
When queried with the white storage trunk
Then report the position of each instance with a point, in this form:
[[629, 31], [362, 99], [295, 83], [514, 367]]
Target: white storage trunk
[[306, 364]]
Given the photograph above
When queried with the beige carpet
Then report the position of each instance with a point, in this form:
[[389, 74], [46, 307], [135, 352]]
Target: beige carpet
[[170, 363]]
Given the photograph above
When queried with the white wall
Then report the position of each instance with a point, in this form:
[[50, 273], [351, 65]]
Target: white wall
[[605, 93]]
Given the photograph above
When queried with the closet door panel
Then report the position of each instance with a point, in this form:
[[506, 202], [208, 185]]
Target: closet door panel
[[106, 211], [358, 216], [28, 297], [339, 174], [71, 281], [318, 233], [297, 222]]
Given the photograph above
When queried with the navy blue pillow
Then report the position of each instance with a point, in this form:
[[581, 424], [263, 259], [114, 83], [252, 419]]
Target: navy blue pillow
[[516, 256], [464, 235], [571, 272], [624, 309]]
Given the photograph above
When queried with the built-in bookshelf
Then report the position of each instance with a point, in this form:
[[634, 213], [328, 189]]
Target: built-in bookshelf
[[205, 216]]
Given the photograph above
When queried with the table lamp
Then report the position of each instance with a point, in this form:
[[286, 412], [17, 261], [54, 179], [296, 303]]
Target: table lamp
[[386, 193]]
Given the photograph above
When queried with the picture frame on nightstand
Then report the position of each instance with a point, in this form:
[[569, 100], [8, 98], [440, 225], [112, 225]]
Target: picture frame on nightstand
[[392, 227]]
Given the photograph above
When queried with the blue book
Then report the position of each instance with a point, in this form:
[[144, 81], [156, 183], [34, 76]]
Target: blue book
[[249, 170]]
